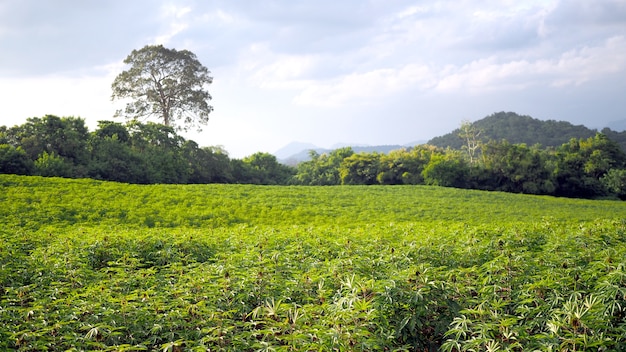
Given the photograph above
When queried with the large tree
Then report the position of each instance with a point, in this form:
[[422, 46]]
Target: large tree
[[167, 83]]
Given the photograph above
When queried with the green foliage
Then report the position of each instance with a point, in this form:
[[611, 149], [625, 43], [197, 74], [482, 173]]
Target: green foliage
[[88, 265], [167, 83], [52, 165], [360, 169], [516, 168], [617, 137], [405, 166], [133, 152], [446, 170], [14, 161], [322, 170], [64, 136], [160, 149], [263, 168], [208, 164], [112, 155], [615, 182], [580, 164]]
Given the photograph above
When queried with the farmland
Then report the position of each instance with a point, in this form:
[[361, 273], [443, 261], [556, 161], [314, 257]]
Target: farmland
[[88, 265]]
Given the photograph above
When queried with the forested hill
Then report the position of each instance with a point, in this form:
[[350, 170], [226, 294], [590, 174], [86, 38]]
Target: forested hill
[[518, 129]]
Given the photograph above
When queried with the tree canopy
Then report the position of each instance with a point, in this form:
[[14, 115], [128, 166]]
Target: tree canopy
[[167, 83]]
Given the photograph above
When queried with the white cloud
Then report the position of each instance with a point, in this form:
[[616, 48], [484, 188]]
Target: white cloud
[[275, 63], [573, 67], [365, 88], [410, 11], [488, 74], [284, 71], [177, 22], [220, 16]]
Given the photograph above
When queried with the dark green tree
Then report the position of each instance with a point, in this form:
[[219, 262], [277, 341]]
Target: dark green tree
[[112, 157], [168, 83], [64, 136], [516, 168], [208, 164], [617, 137], [581, 163], [264, 168], [14, 161], [161, 152], [57, 137]]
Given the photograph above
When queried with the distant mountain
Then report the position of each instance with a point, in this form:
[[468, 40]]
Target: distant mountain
[[413, 144], [618, 126], [518, 129], [303, 154], [292, 149]]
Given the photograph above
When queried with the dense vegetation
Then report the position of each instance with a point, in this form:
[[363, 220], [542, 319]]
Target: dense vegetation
[[593, 167], [518, 129], [88, 265], [134, 152], [589, 168]]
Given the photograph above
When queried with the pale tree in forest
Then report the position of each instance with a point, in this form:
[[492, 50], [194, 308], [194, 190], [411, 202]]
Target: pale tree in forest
[[166, 83], [469, 133]]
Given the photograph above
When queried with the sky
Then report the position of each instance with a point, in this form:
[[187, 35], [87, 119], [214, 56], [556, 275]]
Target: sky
[[361, 72]]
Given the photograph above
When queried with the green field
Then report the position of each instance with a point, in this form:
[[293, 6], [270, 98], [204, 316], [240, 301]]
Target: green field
[[89, 265]]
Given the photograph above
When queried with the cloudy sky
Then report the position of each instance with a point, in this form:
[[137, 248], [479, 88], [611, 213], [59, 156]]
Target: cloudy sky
[[325, 72]]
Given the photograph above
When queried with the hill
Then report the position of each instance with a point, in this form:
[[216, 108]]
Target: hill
[[293, 148], [519, 129]]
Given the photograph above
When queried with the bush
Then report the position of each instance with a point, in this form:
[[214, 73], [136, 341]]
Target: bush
[[14, 161]]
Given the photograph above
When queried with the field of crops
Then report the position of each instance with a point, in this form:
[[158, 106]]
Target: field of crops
[[88, 265]]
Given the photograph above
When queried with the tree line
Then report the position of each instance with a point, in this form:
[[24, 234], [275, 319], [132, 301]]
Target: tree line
[[594, 167], [147, 153], [133, 152]]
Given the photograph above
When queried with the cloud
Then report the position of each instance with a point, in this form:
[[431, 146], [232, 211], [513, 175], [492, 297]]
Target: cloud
[[577, 13], [281, 67], [501, 49], [41, 38], [573, 67], [175, 16], [364, 88]]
